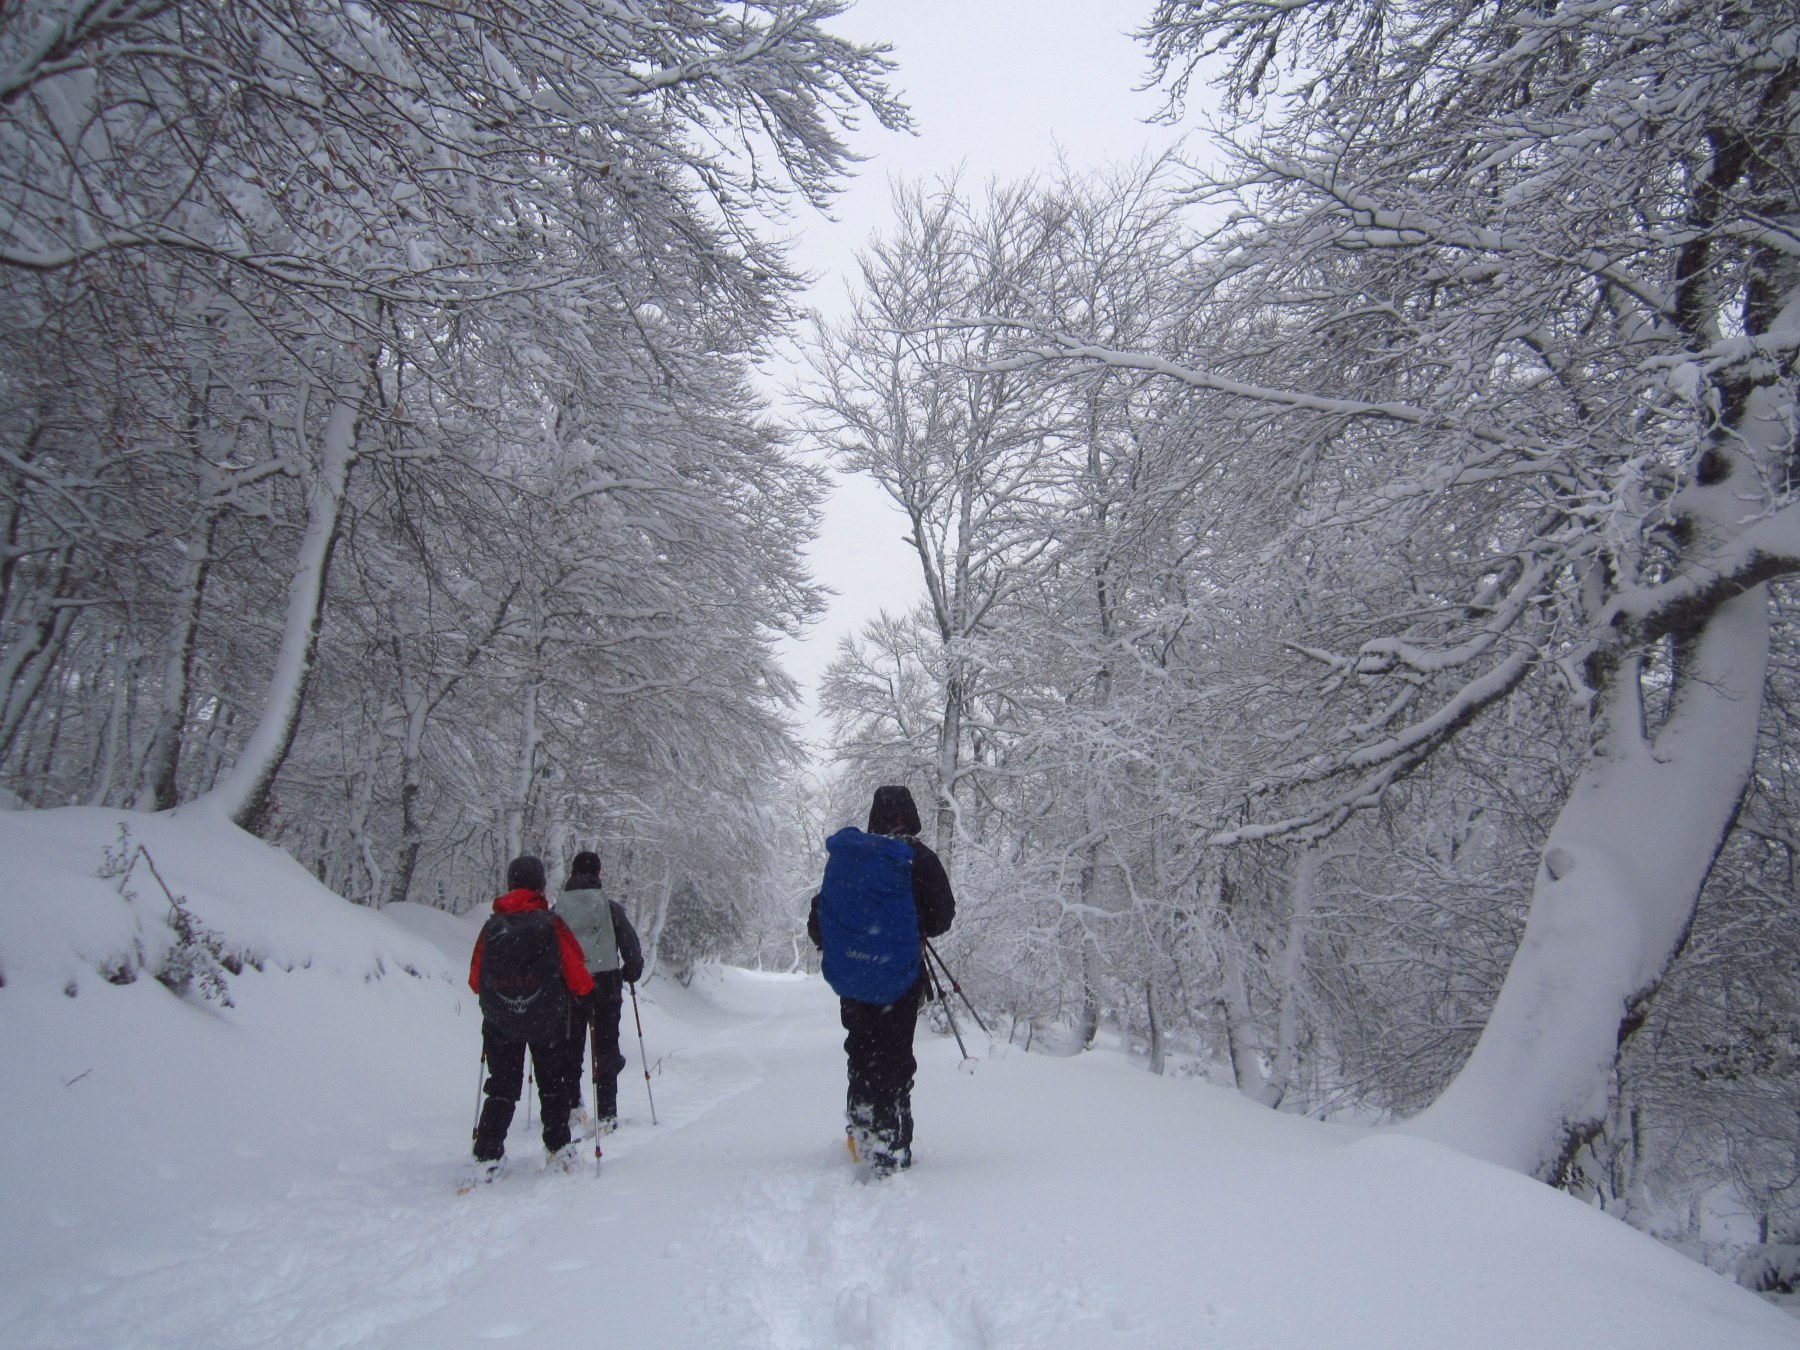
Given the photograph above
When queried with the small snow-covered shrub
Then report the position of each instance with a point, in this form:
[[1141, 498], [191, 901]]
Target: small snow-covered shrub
[[194, 959], [1770, 1268]]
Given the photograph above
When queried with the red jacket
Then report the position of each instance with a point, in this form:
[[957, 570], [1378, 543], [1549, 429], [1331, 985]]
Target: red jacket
[[574, 961]]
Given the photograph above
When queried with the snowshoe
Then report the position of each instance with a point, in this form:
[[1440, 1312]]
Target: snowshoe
[[565, 1159], [870, 1153], [862, 1143], [483, 1173], [606, 1124], [884, 1163]]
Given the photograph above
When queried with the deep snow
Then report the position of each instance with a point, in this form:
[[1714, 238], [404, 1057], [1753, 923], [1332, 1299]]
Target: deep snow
[[281, 1172]]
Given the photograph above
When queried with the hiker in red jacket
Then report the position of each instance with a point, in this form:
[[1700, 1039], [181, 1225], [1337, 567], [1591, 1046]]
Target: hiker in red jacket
[[525, 967]]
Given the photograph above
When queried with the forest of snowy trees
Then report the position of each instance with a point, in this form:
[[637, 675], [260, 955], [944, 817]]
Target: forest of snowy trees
[[1356, 648], [382, 464], [1355, 634]]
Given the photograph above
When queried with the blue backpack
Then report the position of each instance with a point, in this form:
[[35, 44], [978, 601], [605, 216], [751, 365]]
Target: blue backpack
[[868, 924]]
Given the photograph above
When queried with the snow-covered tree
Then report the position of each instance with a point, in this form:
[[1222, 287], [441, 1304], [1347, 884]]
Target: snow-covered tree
[[1528, 276], [958, 447], [426, 434]]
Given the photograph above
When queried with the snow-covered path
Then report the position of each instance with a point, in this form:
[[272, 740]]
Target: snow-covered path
[[1056, 1203], [281, 1173]]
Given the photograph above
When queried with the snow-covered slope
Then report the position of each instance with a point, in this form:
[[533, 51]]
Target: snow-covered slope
[[280, 1172]]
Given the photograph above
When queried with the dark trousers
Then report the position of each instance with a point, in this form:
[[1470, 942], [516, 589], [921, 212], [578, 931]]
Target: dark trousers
[[880, 1057], [597, 1035], [558, 1091]]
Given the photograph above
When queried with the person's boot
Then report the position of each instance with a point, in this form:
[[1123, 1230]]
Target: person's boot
[[565, 1159], [483, 1172]]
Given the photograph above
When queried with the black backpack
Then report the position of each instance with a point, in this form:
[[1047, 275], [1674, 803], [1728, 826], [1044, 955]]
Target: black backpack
[[522, 991]]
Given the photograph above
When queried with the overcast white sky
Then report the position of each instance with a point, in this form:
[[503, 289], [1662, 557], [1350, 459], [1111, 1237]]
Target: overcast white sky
[[997, 88]]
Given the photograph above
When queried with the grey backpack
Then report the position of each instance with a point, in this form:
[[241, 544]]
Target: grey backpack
[[589, 916]]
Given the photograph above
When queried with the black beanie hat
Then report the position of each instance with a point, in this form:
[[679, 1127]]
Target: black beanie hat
[[586, 864], [893, 812], [525, 873]]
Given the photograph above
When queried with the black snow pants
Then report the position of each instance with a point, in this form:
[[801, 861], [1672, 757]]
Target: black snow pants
[[558, 1091], [880, 1055], [597, 1016]]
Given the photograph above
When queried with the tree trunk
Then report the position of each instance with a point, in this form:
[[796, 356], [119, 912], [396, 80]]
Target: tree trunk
[[1157, 1060], [529, 738], [243, 794], [1291, 974], [1089, 1024], [665, 890], [42, 623], [1619, 879], [1234, 1002], [949, 766], [156, 790], [116, 720], [414, 706], [356, 820]]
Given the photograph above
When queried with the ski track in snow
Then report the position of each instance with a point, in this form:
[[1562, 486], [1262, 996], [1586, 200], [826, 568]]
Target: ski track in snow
[[345, 1258], [814, 1254], [826, 1261]]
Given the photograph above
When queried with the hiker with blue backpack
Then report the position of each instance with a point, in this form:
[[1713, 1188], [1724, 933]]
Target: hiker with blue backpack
[[884, 893], [527, 967]]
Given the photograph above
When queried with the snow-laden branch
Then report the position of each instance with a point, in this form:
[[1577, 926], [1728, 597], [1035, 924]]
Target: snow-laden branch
[[1767, 549], [1390, 758], [66, 46], [1381, 656], [1063, 347], [1380, 226]]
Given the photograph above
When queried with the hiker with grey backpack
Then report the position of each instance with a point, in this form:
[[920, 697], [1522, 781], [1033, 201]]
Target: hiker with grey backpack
[[528, 969], [883, 896], [614, 959]]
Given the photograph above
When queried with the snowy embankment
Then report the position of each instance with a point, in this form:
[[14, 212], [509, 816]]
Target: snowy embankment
[[280, 1172]]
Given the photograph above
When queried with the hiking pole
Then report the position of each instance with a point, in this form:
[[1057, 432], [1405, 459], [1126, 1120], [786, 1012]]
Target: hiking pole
[[932, 952], [480, 1083], [937, 992], [642, 1057], [593, 1040]]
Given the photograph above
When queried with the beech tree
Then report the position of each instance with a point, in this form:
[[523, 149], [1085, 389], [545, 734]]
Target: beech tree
[[403, 289], [1531, 275], [957, 446]]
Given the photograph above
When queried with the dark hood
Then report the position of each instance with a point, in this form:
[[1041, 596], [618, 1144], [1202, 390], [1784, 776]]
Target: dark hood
[[893, 812], [584, 872]]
